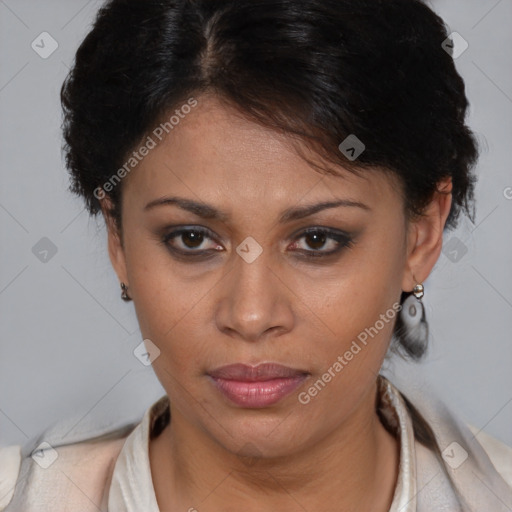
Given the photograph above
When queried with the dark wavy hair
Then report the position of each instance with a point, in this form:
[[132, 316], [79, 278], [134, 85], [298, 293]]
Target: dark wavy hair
[[318, 70]]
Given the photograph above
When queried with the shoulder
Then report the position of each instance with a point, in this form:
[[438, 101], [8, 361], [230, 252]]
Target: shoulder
[[469, 467], [85, 463], [10, 461], [499, 453]]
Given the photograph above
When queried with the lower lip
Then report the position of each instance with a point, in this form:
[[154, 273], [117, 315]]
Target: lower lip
[[258, 394]]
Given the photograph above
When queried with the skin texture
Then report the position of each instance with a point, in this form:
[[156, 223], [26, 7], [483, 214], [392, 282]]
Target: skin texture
[[332, 453]]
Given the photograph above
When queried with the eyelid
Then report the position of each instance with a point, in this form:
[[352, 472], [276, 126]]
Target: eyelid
[[325, 229]]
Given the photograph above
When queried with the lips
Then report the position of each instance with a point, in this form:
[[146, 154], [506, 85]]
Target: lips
[[256, 386], [262, 372]]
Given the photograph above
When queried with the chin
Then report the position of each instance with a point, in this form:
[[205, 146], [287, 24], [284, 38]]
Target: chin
[[260, 438]]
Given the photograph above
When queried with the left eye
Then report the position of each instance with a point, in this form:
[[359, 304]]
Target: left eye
[[331, 242]]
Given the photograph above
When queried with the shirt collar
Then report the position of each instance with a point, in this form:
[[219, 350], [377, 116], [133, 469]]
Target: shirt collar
[[394, 413], [131, 487]]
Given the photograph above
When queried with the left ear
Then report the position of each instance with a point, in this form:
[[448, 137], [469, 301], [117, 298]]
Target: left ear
[[425, 236]]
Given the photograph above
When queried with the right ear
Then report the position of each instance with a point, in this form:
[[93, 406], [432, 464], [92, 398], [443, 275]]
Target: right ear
[[115, 244]]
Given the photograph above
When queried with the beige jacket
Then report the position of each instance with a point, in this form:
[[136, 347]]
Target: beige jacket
[[106, 468]]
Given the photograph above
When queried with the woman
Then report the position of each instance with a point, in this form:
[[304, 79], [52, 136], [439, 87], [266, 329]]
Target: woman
[[275, 178]]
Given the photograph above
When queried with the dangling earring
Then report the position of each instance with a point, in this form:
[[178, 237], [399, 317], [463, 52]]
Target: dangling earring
[[413, 331], [124, 293], [418, 291]]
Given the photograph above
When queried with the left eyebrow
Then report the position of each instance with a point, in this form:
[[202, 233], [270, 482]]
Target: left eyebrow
[[208, 211], [305, 211]]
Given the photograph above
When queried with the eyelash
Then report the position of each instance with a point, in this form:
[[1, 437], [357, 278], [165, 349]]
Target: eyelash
[[342, 239]]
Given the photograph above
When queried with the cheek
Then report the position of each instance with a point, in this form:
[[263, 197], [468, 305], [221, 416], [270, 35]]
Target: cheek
[[359, 305], [167, 306], [362, 324], [169, 320], [347, 362]]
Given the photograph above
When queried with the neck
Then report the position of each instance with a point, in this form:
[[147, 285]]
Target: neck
[[353, 469]]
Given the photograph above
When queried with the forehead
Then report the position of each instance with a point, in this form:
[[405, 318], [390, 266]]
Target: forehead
[[214, 153]]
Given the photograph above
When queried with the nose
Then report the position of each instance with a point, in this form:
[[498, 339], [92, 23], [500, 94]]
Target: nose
[[255, 302]]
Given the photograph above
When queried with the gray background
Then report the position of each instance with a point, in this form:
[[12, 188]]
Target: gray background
[[66, 338]]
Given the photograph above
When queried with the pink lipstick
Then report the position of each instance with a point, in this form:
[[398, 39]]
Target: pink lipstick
[[256, 386]]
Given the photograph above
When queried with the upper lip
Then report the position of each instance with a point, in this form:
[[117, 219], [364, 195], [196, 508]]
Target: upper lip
[[260, 372]]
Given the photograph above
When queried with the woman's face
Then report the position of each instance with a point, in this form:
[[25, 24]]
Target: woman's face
[[244, 284]]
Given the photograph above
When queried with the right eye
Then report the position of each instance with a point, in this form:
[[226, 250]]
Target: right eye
[[187, 241]]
